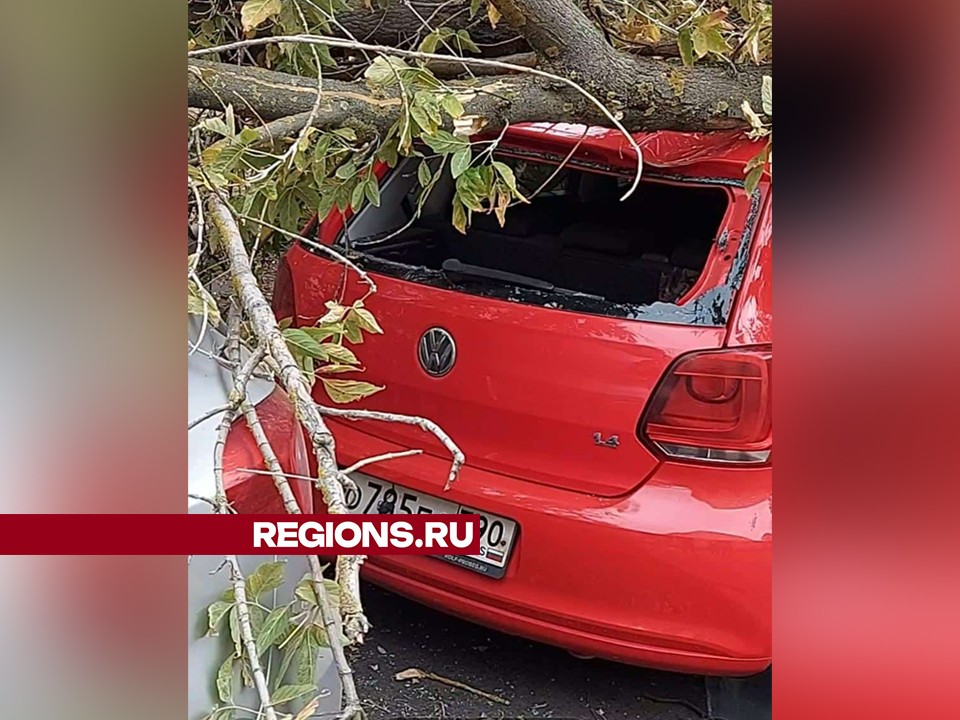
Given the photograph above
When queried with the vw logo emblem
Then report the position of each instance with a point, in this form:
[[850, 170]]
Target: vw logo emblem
[[437, 352]]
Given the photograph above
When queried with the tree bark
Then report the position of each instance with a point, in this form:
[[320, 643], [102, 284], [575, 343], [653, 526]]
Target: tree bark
[[640, 89], [398, 25]]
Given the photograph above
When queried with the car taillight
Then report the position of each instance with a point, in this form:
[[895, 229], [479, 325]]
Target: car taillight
[[283, 305], [249, 487], [714, 406]]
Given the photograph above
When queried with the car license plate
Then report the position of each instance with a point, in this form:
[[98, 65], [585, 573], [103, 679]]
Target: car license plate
[[497, 534]]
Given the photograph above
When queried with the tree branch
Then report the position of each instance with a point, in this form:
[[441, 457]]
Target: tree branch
[[265, 328], [246, 632], [710, 101]]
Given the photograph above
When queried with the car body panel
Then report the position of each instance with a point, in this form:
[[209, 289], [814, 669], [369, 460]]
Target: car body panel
[[675, 574], [527, 380], [640, 560], [752, 319]]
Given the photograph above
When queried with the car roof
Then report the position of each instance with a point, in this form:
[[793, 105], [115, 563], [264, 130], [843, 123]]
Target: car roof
[[722, 153]]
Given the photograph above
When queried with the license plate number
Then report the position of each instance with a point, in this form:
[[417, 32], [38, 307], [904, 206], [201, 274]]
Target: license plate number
[[497, 534]]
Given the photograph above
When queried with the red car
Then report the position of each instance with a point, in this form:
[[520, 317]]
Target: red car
[[606, 367]]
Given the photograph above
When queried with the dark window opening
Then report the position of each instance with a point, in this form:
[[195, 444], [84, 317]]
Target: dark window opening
[[575, 237]]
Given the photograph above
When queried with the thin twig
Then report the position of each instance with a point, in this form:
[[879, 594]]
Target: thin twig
[[209, 414], [237, 394], [318, 246], [380, 458], [418, 674], [422, 423]]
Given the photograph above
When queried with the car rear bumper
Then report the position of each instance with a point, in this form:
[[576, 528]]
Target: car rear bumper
[[674, 575]]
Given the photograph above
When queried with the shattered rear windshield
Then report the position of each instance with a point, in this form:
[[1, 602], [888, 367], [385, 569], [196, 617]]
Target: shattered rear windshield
[[575, 246]]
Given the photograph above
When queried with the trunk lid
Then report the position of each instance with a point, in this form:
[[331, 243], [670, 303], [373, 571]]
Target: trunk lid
[[546, 395]]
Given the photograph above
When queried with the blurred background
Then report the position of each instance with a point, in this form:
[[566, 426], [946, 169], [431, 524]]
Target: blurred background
[[868, 336]]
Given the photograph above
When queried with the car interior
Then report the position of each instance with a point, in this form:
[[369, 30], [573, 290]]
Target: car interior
[[574, 235]]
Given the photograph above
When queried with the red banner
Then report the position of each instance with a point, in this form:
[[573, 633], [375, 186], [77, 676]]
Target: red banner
[[239, 534]]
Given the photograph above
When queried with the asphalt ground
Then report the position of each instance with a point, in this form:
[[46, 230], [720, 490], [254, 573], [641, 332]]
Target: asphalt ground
[[538, 681]]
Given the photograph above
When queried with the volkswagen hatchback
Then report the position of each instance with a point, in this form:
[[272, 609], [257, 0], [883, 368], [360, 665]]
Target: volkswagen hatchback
[[606, 367]]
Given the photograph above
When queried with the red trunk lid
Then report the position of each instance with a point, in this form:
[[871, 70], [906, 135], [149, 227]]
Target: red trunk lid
[[535, 393]]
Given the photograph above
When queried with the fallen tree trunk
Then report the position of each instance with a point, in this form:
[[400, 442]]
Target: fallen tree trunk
[[640, 91]]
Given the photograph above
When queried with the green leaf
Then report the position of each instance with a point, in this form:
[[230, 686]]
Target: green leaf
[[383, 71], [452, 105], [700, 45], [254, 13], [289, 651], [216, 125], [459, 216], [464, 41], [352, 331], [506, 172], [340, 354], [248, 135], [371, 189], [215, 615], [225, 680], [335, 312], [388, 152], [461, 161], [273, 629], [430, 42], [346, 171], [474, 6], [289, 692], [431, 106], [300, 341], [268, 576], [356, 199], [366, 320], [424, 175], [305, 591], [715, 42], [766, 93], [444, 142], [199, 301], [347, 391], [307, 659], [753, 179], [422, 119], [348, 134], [685, 43], [474, 185], [256, 615], [327, 200]]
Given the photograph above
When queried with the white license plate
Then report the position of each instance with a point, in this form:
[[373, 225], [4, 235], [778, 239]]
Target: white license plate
[[497, 534]]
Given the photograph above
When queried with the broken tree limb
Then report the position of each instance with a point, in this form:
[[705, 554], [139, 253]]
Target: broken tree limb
[[357, 625], [268, 333], [246, 632], [570, 85], [710, 100]]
